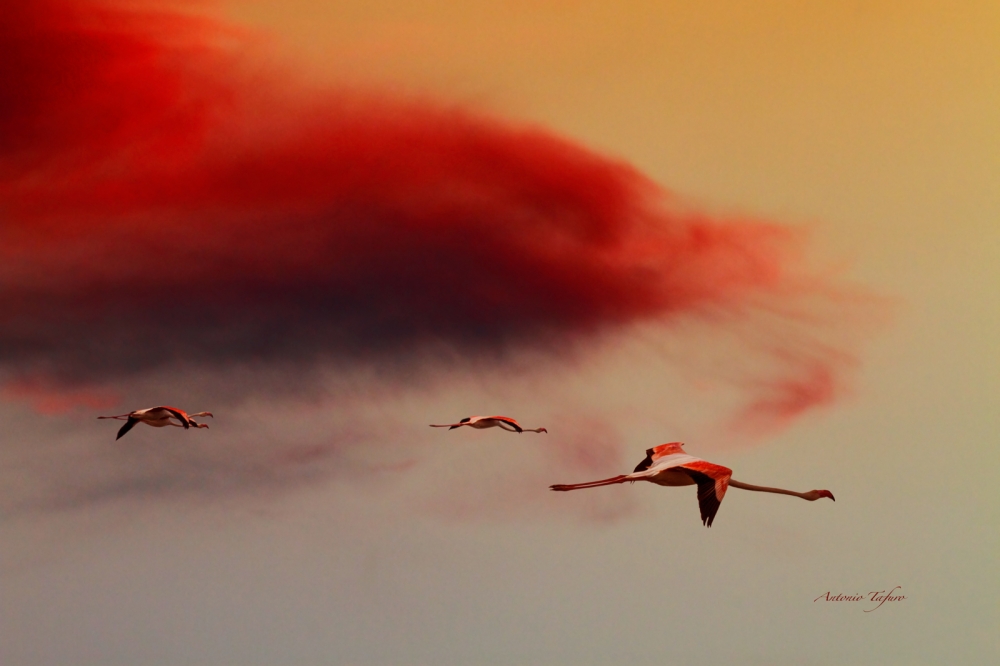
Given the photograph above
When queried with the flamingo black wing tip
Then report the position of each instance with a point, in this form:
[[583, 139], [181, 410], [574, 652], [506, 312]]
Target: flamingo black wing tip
[[125, 428]]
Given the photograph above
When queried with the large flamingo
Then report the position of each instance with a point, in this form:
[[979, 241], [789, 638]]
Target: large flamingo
[[480, 422], [157, 417], [668, 465]]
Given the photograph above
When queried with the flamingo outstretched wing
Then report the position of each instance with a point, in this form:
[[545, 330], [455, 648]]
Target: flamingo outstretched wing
[[658, 453], [178, 414], [509, 421], [712, 480], [129, 424]]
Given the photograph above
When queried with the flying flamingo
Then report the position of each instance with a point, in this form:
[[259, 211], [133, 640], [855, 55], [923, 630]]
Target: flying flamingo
[[157, 417], [480, 422], [668, 465]]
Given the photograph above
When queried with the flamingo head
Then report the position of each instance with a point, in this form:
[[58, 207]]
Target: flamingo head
[[204, 414], [816, 494], [543, 430]]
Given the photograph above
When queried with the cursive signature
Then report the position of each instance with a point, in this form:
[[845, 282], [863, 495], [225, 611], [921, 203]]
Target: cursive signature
[[880, 597]]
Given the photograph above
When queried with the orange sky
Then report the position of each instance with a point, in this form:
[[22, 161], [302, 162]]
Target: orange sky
[[836, 112]]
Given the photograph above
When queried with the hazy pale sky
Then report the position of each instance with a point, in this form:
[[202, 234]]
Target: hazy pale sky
[[364, 537]]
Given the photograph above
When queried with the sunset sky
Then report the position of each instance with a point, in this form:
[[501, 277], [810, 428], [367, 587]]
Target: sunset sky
[[768, 230]]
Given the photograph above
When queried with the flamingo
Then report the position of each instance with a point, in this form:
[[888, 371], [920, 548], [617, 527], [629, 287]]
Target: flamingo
[[480, 422], [158, 417], [669, 465]]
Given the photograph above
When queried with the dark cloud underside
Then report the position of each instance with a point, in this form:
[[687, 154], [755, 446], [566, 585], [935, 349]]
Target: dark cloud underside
[[161, 204]]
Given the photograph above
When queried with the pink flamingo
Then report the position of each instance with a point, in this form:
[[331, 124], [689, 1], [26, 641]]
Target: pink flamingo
[[668, 465], [157, 417], [480, 422]]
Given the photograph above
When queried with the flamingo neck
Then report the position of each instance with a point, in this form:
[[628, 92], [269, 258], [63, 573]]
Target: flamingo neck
[[733, 483]]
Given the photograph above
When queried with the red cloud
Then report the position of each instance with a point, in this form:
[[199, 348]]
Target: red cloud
[[162, 210], [56, 399]]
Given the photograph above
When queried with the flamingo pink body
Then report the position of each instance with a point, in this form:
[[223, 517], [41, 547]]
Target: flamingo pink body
[[480, 422], [669, 465], [157, 417]]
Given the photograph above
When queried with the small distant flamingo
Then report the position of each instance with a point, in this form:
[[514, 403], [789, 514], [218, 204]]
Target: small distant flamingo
[[480, 422], [157, 417], [668, 465]]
